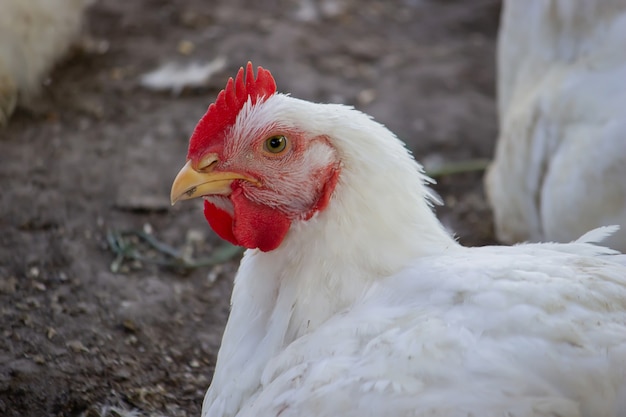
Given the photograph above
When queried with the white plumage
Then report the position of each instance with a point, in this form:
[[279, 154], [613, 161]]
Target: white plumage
[[370, 308], [34, 34], [560, 164]]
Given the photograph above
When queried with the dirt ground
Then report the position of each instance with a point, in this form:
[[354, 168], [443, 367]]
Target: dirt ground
[[89, 167]]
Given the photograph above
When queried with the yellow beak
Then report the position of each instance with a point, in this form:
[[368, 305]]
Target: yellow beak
[[192, 182]]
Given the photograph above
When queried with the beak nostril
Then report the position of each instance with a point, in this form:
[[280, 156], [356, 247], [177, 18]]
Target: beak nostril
[[207, 163], [207, 168]]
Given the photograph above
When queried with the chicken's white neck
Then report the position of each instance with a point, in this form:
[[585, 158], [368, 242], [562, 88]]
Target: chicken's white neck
[[377, 221]]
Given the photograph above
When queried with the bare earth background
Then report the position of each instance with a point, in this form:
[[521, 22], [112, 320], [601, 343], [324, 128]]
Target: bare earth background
[[82, 327]]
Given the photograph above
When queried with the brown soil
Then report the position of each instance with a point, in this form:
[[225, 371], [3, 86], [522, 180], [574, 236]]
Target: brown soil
[[94, 157]]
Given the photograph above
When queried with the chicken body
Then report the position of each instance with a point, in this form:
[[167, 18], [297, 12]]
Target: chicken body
[[367, 307], [560, 163], [34, 34]]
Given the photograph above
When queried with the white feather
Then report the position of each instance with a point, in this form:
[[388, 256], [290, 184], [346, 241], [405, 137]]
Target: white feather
[[598, 235], [175, 77]]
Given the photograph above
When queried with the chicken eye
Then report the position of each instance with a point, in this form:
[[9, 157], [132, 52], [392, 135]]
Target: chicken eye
[[275, 144]]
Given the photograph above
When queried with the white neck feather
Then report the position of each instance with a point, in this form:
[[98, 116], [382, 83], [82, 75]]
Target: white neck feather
[[378, 220]]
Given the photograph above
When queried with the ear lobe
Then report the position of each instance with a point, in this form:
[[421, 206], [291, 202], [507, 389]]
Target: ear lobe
[[326, 192]]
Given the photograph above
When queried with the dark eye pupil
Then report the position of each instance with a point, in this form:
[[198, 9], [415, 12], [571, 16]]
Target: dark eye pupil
[[276, 142]]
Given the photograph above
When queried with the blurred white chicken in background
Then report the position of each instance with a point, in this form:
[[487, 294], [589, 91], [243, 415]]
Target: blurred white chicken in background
[[34, 34], [560, 164]]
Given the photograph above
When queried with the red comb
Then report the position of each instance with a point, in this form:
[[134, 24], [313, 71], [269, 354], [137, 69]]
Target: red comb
[[223, 113]]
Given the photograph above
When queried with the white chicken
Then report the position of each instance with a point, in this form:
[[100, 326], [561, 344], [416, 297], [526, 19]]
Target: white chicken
[[560, 164], [353, 300], [34, 34]]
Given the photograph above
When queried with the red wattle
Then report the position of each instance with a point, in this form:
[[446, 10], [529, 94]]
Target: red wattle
[[253, 226], [220, 221], [257, 226]]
